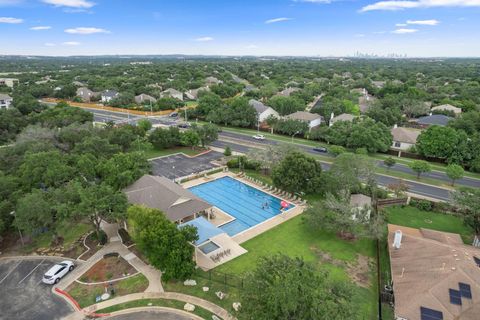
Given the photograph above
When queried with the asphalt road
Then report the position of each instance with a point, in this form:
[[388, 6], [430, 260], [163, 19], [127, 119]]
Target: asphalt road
[[24, 296], [151, 315], [414, 187], [466, 181]]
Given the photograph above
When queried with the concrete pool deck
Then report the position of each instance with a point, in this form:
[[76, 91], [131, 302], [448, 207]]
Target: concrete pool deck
[[226, 242]]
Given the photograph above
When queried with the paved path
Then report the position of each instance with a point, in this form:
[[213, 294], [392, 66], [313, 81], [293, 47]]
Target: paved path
[[153, 313], [207, 305], [115, 245]]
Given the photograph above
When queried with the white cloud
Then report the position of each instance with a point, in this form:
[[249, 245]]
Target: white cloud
[[10, 20], [40, 28], [252, 46], [275, 20], [70, 3], [359, 35], [204, 39], [86, 30], [431, 22], [392, 5], [401, 25], [71, 43], [404, 31], [49, 44]]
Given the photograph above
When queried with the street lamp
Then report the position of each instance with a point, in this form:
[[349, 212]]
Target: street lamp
[[295, 135], [13, 213]]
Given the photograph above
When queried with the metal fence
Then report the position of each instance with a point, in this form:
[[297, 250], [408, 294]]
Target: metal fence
[[223, 278]]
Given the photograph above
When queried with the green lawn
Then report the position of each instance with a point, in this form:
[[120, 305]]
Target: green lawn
[[415, 218], [155, 153], [174, 304], [295, 238]]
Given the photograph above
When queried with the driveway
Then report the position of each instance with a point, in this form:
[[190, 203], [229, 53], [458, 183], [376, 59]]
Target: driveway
[[151, 315], [179, 165], [22, 293]]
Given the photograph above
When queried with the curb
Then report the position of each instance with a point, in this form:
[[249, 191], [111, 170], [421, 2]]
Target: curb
[[69, 298], [155, 308]]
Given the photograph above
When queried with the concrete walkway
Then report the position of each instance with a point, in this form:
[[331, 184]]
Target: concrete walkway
[[207, 305]]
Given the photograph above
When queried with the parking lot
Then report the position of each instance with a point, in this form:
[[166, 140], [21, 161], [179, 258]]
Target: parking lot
[[22, 293], [179, 165], [152, 315]]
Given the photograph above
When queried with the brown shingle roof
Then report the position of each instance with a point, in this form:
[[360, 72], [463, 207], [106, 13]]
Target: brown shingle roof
[[426, 266], [407, 135], [163, 194]]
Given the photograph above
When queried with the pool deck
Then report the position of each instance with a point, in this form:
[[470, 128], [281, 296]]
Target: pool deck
[[222, 217]]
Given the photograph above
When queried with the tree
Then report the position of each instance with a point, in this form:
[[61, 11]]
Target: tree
[[349, 170], [297, 172], [167, 247], [467, 199], [208, 102], [444, 143], [207, 133], [398, 188], [281, 287], [420, 166], [190, 138], [122, 169], [165, 138], [286, 105], [291, 127], [144, 125], [454, 172], [101, 202], [389, 163], [228, 151], [33, 212]]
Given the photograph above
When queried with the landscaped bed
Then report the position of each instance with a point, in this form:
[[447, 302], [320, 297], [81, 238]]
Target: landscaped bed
[[175, 304], [412, 217], [93, 244], [85, 295], [109, 268]]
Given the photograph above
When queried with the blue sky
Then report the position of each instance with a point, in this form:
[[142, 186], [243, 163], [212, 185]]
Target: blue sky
[[240, 27]]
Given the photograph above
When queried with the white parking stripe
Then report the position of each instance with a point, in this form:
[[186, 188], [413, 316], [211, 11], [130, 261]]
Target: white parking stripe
[[38, 265], [11, 271]]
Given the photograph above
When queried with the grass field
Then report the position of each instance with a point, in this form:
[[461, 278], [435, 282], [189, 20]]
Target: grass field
[[155, 153], [415, 218]]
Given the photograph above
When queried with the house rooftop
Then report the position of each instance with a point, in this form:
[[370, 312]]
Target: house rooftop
[[165, 195], [303, 116], [343, 117], [258, 106], [109, 93], [406, 135], [5, 96], [427, 267], [438, 119], [447, 107]]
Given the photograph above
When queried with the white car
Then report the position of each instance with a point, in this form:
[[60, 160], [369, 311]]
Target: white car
[[259, 137], [55, 273]]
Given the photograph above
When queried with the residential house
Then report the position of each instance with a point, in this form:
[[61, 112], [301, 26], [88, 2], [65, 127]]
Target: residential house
[[212, 81], [250, 87], [9, 82], [5, 101], [172, 93], [263, 111], [144, 99], [434, 275], [341, 117], [79, 84], [85, 94], [156, 192], [379, 84], [433, 119], [108, 95], [448, 107], [287, 92], [192, 94], [404, 138], [313, 119]]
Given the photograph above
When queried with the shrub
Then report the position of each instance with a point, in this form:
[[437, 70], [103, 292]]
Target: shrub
[[101, 237], [336, 150], [424, 205], [227, 152], [363, 151], [126, 239]]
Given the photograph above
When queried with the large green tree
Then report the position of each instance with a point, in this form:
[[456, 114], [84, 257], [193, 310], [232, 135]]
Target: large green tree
[[167, 247], [281, 288], [444, 143], [297, 173], [468, 199], [454, 172], [33, 212]]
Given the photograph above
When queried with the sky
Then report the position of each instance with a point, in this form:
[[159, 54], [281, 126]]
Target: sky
[[417, 28]]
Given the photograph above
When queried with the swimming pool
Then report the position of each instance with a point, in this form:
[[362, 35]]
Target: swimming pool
[[249, 206]]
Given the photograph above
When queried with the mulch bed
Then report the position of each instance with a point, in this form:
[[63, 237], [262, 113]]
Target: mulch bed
[[108, 268], [93, 244]]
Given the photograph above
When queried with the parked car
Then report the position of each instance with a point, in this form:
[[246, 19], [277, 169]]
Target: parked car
[[259, 137], [55, 273], [184, 125], [173, 114], [320, 149]]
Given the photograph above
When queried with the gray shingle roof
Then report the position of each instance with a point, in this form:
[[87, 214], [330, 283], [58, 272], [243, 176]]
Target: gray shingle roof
[[257, 105], [110, 93], [163, 194], [438, 119]]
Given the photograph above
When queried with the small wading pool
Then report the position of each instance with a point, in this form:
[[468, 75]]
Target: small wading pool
[[208, 247], [248, 205]]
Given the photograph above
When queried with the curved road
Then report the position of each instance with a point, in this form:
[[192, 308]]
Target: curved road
[[151, 315]]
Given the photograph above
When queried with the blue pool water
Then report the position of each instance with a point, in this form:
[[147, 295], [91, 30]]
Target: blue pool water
[[240, 201]]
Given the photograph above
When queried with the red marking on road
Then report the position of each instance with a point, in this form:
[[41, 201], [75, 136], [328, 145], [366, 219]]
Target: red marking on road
[[69, 297]]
